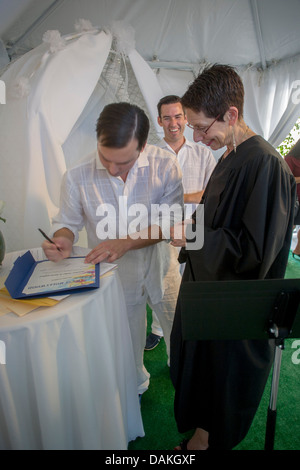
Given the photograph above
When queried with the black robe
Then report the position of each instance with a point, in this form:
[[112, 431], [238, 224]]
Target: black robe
[[248, 222]]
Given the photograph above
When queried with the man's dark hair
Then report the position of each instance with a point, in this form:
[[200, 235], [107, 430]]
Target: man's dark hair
[[119, 123], [215, 89], [169, 99]]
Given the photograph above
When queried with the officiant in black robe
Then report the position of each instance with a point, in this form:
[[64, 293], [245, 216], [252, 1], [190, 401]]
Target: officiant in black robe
[[248, 221]]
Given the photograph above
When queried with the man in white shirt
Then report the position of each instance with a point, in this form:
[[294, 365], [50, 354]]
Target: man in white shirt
[[197, 163], [116, 194]]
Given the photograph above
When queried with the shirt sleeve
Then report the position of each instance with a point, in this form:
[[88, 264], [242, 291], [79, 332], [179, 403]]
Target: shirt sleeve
[[171, 204], [70, 214]]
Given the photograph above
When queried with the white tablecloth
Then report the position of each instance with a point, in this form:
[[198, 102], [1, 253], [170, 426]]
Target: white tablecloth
[[69, 381]]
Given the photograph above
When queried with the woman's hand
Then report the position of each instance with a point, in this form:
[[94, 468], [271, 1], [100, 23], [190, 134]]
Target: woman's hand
[[177, 233]]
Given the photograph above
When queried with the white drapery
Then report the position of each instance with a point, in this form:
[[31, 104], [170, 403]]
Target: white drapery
[[272, 100], [51, 126], [35, 126]]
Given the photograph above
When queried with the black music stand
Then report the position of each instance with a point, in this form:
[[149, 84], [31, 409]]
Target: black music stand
[[255, 309]]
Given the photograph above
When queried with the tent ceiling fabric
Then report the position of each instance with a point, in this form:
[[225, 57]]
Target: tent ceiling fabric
[[237, 32]]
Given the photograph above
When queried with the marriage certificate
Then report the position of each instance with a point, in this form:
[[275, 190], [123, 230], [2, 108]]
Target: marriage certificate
[[66, 274], [30, 278]]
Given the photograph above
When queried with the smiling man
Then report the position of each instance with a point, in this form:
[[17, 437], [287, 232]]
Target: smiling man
[[132, 178], [197, 163]]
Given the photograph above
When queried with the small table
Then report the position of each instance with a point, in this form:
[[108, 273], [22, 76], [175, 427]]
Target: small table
[[69, 382]]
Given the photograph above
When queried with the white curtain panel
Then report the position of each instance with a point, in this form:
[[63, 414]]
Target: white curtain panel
[[55, 87], [271, 99], [149, 86]]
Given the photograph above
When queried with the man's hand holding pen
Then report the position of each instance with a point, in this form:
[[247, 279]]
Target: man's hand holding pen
[[60, 246], [58, 249]]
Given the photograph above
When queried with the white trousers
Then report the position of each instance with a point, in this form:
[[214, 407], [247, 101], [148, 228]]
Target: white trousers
[[156, 326], [137, 316]]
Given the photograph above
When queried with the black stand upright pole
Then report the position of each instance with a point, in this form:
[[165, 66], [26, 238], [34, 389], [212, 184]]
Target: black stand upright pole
[[272, 411], [284, 314]]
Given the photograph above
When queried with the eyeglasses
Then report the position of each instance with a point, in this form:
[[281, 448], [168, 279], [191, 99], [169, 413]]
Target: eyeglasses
[[203, 130]]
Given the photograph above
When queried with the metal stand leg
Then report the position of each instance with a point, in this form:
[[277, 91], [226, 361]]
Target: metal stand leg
[[271, 419]]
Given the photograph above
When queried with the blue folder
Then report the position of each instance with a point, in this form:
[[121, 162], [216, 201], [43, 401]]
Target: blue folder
[[22, 271]]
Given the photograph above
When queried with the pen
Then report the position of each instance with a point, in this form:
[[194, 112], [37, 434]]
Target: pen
[[49, 239]]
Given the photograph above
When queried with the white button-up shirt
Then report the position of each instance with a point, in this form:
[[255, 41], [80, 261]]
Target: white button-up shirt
[[108, 207], [196, 162]]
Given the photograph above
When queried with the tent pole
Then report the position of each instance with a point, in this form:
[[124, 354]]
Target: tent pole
[[12, 47]]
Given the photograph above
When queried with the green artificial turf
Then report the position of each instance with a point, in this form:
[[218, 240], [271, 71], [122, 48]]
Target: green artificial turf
[[157, 403]]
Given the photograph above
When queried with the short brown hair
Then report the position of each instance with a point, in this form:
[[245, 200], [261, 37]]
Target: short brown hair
[[119, 123], [169, 99], [215, 89]]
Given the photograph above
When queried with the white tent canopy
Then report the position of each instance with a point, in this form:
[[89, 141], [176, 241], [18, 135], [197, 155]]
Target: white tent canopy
[[64, 60]]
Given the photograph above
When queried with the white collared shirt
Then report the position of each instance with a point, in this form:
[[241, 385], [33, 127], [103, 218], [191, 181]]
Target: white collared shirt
[[88, 189], [196, 162]]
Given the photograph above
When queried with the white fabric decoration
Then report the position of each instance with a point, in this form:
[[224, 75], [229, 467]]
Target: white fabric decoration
[[20, 88], [54, 39], [125, 37], [83, 25]]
